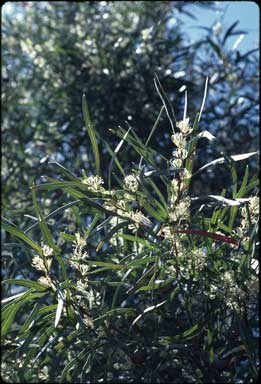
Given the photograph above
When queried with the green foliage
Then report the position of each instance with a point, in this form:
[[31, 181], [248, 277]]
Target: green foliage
[[128, 262], [144, 282], [110, 51]]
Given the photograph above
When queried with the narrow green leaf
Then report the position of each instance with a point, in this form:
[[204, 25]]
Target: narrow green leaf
[[17, 233], [209, 336], [189, 334], [66, 340], [47, 309], [92, 226], [26, 283], [67, 236], [141, 262], [7, 321], [116, 150], [154, 286], [54, 213], [152, 131], [47, 235], [68, 367], [111, 233], [111, 152], [125, 311], [91, 133], [33, 315], [9, 314], [65, 171], [105, 264], [164, 96], [234, 180], [139, 240], [58, 185], [156, 214], [241, 191], [160, 195]]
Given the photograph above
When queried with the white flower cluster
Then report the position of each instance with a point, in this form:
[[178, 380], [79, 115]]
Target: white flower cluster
[[139, 218], [43, 263], [81, 286], [121, 208], [78, 255], [248, 216], [94, 183], [179, 206], [46, 280], [189, 263], [40, 264], [184, 126], [232, 293], [118, 207], [253, 207], [192, 263], [131, 182], [179, 139], [47, 251], [180, 210]]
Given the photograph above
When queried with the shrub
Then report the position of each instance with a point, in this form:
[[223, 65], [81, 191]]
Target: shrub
[[55, 51], [144, 282]]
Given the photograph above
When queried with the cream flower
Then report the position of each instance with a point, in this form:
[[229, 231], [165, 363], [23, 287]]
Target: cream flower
[[132, 182], [139, 218], [47, 251], [184, 126], [94, 183], [180, 153], [181, 210], [41, 265], [179, 140], [176, 163]]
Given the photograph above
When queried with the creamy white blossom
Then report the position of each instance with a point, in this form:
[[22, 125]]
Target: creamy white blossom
[[79, 241], [47, 251], [179, 140], [249, 217], [184, 126], [253, 206], [235, 296], [180, 210], [78, 255], [139, 218], [180, 153], [185, 174], [82, 285], [45, 280], [175, 184], [176, 163], [132, 182], [40, 264], [94, 183]]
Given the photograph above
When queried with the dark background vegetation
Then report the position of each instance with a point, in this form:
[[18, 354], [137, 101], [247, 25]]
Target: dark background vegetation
[[57, 51]]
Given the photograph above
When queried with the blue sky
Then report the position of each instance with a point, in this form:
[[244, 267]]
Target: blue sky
[[246, 12], [227, 12]]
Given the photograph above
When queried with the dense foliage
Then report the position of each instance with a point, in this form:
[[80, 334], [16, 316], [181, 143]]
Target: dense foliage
[[135, 257], [161, 286], [53, 52]]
